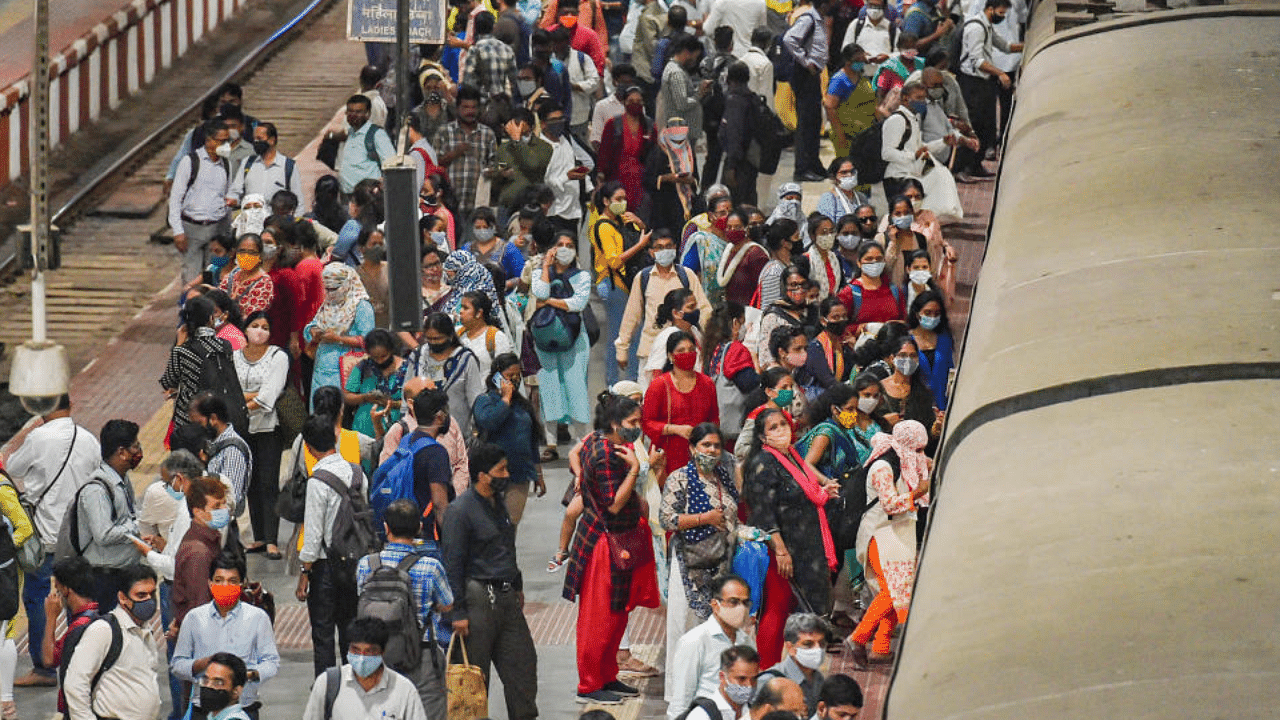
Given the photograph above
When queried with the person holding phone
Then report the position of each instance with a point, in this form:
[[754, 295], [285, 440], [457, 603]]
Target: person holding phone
[[375, 385], [504, 417], [564, 171]]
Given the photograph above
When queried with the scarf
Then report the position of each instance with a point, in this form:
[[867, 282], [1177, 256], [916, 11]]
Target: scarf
[[908, 440], [470, 276], [337, 315], [793, 464], [834, 355], [724, 273], [251, 219], [698, 501], [680, 156]]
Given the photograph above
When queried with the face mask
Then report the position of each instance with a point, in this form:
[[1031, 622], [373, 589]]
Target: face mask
[[635, 110], [919, 107], [910, 54], [135, 460], [219, 518], [432, 200], [384, 364], [223, 151], [779, 438], [858, 67], [257, 335], [678, 138], [269, 252], [483, 234], [444, 426], [785, 397], [920, 277], [734, 617], [143, 610], [825, 241], [213, 700], [247, 262], [735, 236], [554, 128], [234, 135], [906, 366], [569, 21], [846, 418], [684, 360], [364, 665], [848, 183], [867, 404], [706, 462], [903, 222], [937, 93], [175, 494], [997, 19], [225, 595], [873, 269], [810, 657], [440, 239], [499, 484], [218, 262], [798, 358], [439, 347], [837, 327], [930, 322], [565, 255], [738, 694], [664, 257], [693, 317], [261, 147], [629, 434], [526, 87], [619, 207], [847, 242], [874, 14]]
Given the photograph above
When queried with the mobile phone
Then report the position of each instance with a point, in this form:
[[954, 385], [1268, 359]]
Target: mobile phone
[[582, 169], [207, 278]]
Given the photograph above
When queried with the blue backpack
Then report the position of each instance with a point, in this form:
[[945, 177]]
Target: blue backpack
[[393, 480]]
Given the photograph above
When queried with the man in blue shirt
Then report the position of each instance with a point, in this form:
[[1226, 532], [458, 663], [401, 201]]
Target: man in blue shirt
[[430, 591], [356, 162], [928, 21]]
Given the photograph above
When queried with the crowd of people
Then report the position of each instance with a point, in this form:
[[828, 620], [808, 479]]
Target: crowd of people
[[776, 382]]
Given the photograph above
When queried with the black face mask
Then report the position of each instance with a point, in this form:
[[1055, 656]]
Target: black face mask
[[213, 700], [431, 199], [444, 426], [262, 147], [438, 348], [693, 317], [997, 19], [384, 364], [837, 328], [499, 484]]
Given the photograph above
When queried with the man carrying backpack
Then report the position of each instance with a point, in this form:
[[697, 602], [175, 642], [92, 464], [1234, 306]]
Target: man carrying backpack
[[405, 589], [111, 673], [335, 494], [51, 460], [72, 588], [101, 515], [229, 454], [736, 131], [198, 210]]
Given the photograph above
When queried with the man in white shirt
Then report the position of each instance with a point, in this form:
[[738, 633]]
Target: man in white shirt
[[330, 593], [738, 668], [268, 171], [366, 687], [874, 34], [744, 16], [127, 688], [610, 106], [197, 200], [981, 80], [902, 142], [758, 63], [564, 170], [695, 666], [370, 77]]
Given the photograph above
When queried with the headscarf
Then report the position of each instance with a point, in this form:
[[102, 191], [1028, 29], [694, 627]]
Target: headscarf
[[674, 140], [336, 315], [791, 209], [908, 440], [251, 219], [471, 277]]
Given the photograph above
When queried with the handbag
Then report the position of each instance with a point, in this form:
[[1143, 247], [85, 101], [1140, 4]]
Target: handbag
[[464, 686], [291, 412], [291, 504], [327, 153], [630, 548]]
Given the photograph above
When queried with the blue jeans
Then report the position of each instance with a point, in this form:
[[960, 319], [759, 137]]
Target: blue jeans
[[35, 589], [177, 698], [615, 305]]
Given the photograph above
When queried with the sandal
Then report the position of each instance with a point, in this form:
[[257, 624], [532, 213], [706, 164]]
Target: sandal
[[633, 666], [274, 554], [557, 561], [550, 455], [858, 652]]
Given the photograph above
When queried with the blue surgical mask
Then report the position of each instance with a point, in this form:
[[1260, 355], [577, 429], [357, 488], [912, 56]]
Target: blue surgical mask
[[440, 239], [220, 518], [364, 665], [858, 67], [919, 107], [903, 222], [175, 494], [930, 322]]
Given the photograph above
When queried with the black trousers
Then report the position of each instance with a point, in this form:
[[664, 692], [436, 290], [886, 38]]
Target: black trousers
[[500, 635], [264, 485], [711, 168], [740, 177], [808, 91], [980, 96], [331, 605]]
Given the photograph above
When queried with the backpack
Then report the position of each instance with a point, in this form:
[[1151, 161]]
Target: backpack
[[30, 554], [708, 706], [371, 144], [955, 51], [865, 152], [353, 535], [554, 329], [713, 104], [627, 273], [288, 170], [393, 480], [195, 170], [856, 292], [236, 443], [332, 684], [388, 595], [730, 399], [769, 138], [69, 535], [845, 516], [784, 62], [680, 273], [218, 376], [113, 650], [862, 22]]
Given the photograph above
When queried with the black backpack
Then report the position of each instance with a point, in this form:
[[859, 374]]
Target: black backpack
[[708, 706], [845, 515], [768, 137], [388, 595], [955, 50], [218, 376], [713, 105], [865, 152], [113, 650], [352, 535]]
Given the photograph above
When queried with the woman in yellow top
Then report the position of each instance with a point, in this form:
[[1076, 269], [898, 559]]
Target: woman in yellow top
[[354, 447], [19, 526], [610, 235]]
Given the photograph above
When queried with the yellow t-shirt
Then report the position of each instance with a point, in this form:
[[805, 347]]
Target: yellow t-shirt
[[348, 448]]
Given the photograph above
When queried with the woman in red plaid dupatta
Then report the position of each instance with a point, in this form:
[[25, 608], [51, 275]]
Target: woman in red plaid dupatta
[[606, 594]]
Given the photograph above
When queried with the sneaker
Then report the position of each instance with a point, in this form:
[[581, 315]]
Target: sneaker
[[621, 688], [600, 697]]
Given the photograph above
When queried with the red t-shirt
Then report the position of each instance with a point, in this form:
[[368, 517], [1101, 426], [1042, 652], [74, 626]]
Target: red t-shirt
[[877, 305], [691, 408]]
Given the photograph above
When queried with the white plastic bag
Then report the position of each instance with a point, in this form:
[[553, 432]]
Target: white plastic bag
[[940, 194]]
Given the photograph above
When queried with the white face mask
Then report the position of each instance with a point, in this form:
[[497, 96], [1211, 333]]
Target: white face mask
[[734, 617], [665, 257], [921, 277], [867, 404], [235, 135], [565, 255], [874, 14], [873, 269], [224, 150], [825, 241], [810, 658], [848, 183], [848, 242]]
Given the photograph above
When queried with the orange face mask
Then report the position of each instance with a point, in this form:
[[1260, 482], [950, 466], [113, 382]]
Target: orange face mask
[[569, 21], [225, 595]]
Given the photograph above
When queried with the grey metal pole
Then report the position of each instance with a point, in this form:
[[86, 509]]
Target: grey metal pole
[[404, 74], [39, 100]]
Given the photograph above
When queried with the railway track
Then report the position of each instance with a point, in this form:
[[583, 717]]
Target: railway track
[[299, 69]]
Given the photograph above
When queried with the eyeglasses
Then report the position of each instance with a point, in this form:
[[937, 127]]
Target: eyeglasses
[[733, 601], [868, 219], [795, 286]]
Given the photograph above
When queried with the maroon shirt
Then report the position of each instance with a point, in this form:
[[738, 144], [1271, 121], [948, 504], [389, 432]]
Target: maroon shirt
[[191, 566], [746, 277]]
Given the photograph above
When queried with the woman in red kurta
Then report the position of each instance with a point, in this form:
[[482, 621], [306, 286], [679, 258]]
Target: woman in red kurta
[[286, 306], [678, 400], [624, 145], [871, 298], [741, 262]]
